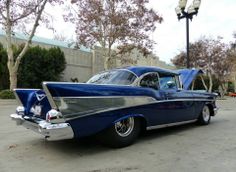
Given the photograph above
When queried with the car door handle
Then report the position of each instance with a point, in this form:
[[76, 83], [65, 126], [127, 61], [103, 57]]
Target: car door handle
[[167, 94]]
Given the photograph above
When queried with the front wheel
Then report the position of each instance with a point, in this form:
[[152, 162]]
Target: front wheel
[[205, 116], [122, 133]]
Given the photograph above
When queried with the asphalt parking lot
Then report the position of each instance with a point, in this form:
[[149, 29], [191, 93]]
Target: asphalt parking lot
[[178, 149]]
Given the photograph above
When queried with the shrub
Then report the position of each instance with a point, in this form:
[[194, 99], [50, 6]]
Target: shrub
[[199, 84], [37, 65], [7, 94], [40, 64], [4, 75], [230, 87]]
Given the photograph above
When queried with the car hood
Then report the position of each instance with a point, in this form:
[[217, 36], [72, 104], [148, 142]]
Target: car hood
[[188, 75]]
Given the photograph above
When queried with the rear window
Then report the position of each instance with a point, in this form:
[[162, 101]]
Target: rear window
[[118, 77]]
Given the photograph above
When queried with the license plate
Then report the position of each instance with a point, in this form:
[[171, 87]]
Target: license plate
[[37, 110]]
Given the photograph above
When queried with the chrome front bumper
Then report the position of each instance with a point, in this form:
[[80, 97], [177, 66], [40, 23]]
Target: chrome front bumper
[[215, 110], [51, 132]]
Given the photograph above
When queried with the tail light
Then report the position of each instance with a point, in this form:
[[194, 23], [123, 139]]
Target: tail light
[[54, 116], [20, 110]]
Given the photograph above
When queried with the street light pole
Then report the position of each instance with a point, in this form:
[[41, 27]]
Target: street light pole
[[187, 40], [192, 10]]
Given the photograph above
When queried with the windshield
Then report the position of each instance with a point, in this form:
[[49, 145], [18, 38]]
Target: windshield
[[119, 77]]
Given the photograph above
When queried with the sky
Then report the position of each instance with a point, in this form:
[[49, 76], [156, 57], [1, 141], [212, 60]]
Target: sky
[[215, 18]]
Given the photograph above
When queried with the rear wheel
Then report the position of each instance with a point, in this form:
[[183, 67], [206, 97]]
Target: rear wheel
[[205, 116], [122, 133]]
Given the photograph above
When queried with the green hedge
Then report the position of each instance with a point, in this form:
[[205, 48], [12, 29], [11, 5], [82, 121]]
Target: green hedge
[[4, 75], [40, 64], [7, 94], [37, 65], [230, 87]]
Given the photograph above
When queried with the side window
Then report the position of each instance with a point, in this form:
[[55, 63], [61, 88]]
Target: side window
[[150, 80], [168, 82]]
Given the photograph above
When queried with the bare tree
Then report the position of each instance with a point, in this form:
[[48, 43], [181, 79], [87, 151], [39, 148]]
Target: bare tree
[[232, 54], [113, 22], [24, 14], [211, 55]]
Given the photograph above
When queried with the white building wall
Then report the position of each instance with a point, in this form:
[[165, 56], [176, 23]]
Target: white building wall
[[83, 64]]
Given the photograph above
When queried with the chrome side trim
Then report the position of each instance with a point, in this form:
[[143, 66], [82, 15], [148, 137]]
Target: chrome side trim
[[81, 83], [104, 97], [77, 107], [79, 115], [90, 112], [50, 99], [170, 124], [156, 101], [51, 132], [26, 89], [177, 100]]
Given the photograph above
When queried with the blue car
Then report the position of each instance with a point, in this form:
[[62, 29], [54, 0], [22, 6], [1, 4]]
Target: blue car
[[115, 105]]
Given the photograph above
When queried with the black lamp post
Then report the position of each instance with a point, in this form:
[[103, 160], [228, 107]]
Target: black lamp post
[[181, 13]]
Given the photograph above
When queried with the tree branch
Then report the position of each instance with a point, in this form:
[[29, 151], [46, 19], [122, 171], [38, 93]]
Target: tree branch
[[8, 35], [203, 82], [4, 17], [23, 16], [18, 59]]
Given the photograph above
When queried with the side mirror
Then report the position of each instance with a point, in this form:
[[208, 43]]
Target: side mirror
[[171, 84]]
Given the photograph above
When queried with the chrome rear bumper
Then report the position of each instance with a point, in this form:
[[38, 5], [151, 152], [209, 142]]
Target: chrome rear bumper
[[51, 132]]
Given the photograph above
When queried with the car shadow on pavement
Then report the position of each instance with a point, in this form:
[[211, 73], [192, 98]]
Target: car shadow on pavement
[[91, 143], [74, 147], [90, 146]]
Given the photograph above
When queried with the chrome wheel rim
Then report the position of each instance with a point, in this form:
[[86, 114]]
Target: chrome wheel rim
[[206, 114], [124, 127]]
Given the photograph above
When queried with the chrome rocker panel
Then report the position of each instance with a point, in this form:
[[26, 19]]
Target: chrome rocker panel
[[170, 124], [51, 132]]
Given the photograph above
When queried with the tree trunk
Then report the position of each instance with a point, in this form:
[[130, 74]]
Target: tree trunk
[[222, 90], [235, 82], [108, 58], [12, 69], [210, 82], [13, 79], [203, 82], [106, 63]]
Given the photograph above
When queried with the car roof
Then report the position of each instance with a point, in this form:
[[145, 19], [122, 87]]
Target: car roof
[[140, 70]]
